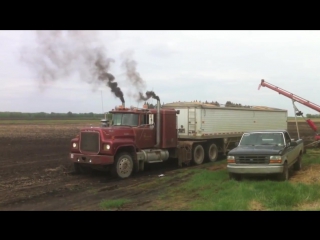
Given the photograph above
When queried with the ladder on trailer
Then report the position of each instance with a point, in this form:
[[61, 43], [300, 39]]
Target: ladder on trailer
[[192, 121]]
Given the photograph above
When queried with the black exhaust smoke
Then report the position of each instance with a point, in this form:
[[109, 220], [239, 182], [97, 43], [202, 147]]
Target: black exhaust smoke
[[61, 54], [103, 75], [134, 78], [149, 94]]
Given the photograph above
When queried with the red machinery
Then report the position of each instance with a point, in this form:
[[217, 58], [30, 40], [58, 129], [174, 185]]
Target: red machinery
[[299, 100]]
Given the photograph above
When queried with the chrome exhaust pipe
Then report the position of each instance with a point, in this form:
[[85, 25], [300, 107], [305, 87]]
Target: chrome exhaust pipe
[[158, 125]]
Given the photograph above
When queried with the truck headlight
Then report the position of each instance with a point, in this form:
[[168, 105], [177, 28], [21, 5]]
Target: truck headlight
[[275, 159], [106, 147], [74, 145], [231, 159]]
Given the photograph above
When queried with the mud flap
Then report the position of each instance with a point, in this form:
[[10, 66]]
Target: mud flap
[[184, 153]]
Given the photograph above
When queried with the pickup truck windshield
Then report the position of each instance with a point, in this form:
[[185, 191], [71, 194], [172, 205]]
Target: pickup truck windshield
[[262, 139], [127, 119]]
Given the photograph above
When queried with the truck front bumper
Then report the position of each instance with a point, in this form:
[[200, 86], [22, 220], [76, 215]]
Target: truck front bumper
[[254, 169], [91, 159]]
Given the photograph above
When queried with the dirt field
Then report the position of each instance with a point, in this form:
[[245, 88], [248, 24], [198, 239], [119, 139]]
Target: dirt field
[[36, 174]]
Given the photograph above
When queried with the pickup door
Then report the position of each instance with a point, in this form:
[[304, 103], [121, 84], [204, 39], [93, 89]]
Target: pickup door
[[291, 150]]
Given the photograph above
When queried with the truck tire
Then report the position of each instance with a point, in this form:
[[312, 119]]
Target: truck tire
[[234, 176], [198, 154], [212, 152], [123, 166], [298, 164], [284, 176]]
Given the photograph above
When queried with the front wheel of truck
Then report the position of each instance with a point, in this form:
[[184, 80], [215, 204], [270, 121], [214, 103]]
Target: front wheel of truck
[[123, 166], [284, 176]]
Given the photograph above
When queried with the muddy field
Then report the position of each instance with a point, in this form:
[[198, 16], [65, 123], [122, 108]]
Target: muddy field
[[36, 174]]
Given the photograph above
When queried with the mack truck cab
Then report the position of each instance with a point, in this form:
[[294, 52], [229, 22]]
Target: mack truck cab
[[133, 137]]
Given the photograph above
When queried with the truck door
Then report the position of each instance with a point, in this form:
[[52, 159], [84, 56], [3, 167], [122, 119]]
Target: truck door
[[145, 131]]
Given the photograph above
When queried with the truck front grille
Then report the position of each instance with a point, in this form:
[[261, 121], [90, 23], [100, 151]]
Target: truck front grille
[[90, 142], [252, 159]]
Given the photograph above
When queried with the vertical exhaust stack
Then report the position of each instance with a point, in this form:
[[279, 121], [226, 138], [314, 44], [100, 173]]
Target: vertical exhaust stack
[[158, 124], [123, 104]]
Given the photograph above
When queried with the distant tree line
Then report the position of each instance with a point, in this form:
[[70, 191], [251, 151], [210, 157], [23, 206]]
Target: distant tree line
[[94, 116], [51, 116], [313, 115]]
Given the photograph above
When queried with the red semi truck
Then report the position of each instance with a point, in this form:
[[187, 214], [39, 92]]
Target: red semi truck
[[189, 132]]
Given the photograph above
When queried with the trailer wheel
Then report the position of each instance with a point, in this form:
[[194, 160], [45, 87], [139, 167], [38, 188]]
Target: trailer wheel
[[298, 164], [212, 152], [284, 176], [123, 166], [198, 154]]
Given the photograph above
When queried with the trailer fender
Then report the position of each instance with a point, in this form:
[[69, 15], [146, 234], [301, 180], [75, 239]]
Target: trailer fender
[[185, 151]]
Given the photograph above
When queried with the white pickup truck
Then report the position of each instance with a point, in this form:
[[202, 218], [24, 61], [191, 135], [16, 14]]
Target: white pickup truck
[[265, 152]]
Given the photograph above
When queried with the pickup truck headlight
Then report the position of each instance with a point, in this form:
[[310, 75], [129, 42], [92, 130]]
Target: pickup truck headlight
[[275, 159], [106, 147], [231, 159]]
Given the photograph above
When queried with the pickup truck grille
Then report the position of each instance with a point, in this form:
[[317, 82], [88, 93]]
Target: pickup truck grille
[[252, 159], [90, 142]]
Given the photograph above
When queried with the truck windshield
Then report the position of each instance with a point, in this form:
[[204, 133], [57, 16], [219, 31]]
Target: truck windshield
[[127, 119], [262, 139]]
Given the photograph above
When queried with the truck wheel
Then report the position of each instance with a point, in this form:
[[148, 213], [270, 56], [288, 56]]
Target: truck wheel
[[234, 176], [212, 152], [198, 154], [123, 166], [284, 176], [298, 164]]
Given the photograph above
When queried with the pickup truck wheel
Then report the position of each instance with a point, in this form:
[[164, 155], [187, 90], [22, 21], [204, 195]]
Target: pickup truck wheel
[[298, 164], [284, 176], [212, 152], [198, 154], [234, 176], [123, 166]]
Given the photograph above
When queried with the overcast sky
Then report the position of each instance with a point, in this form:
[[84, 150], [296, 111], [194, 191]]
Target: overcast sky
[[52, 72]]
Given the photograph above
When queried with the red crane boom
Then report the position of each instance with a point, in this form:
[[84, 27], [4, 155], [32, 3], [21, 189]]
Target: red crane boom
[[290, 95], [297, 99]]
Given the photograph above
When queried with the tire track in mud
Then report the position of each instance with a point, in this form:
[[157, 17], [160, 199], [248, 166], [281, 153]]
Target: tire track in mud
[[20, 163], [90, 190]]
